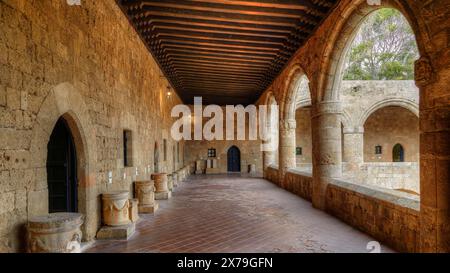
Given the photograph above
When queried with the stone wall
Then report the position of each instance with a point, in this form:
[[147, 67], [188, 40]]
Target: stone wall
[[390, 217], [399, 175], [388, 127], [250, 153], [87, 64], [360, 99], [250, 150], [271, 174], [299, 183]]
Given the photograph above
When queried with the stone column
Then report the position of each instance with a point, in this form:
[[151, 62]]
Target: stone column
[[286, 148], [434, 156], [175, 179], [353, 150], [327, 148], [55, 233]]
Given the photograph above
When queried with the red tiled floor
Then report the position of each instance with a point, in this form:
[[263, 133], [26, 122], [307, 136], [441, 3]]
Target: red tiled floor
[[230, 213]]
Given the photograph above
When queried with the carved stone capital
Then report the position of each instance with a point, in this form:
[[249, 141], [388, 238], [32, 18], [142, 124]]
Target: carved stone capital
[[327, 108], [288, 124], [423, 72], [353, 130]]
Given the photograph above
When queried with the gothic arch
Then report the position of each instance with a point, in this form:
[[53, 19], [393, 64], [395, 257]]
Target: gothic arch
[[345, 32], [289, 101], [65, 101]]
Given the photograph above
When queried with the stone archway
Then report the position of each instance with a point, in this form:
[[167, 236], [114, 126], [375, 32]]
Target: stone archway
[[343, 35], [434, 220], [65, 101], [291, 100]]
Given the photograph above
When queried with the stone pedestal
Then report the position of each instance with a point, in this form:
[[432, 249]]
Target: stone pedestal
[[180, 176], [115, 208], [116, 216], [184, 172], [162, 189], [170, 182], [55, 233], [198, 167], [116, 233], [144, 191], [133, 210], [175, 179]]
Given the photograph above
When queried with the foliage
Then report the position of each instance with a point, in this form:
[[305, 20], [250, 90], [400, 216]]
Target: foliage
[[384, 49]]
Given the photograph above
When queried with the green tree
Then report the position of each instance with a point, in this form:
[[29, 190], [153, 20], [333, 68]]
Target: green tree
[[384, 49]]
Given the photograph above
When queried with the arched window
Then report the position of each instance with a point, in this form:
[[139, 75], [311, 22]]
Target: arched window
[[398, 153]]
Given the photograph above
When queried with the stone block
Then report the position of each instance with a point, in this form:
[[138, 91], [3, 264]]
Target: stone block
[[163, 195], [123, 232], [149, 208]]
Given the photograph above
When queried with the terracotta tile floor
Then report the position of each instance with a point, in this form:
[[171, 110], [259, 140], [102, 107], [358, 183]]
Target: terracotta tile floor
[[230, 213]]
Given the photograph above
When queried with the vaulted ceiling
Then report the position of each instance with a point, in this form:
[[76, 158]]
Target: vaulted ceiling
[[227, 51]]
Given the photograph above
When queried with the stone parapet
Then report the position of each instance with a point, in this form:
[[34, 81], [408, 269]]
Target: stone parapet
[[389, 216]]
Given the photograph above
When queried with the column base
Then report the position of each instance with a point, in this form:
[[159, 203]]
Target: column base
[[148, 209], [116, 233], [163, 195]]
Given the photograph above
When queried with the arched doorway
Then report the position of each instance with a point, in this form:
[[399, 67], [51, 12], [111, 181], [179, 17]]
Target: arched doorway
[[398, 153], [234, 159], [62, 170]]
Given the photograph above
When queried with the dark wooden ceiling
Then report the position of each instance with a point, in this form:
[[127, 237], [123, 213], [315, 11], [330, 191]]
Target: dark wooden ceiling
[[227, 51]]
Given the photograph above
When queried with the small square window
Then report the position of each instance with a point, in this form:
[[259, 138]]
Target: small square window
[[165, 149], [211, 152], [127, 149], [298, 151]]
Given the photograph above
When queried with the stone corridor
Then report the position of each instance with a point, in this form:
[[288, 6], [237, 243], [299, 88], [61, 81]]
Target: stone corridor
[[234, 213]]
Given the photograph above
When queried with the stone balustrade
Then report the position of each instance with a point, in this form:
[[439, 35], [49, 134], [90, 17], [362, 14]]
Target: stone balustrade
[[55, 233]]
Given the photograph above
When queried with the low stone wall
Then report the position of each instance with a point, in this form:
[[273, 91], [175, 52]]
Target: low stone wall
[[388, 175], [271, 174], [299, 183], [402, 175], [389, 216]]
